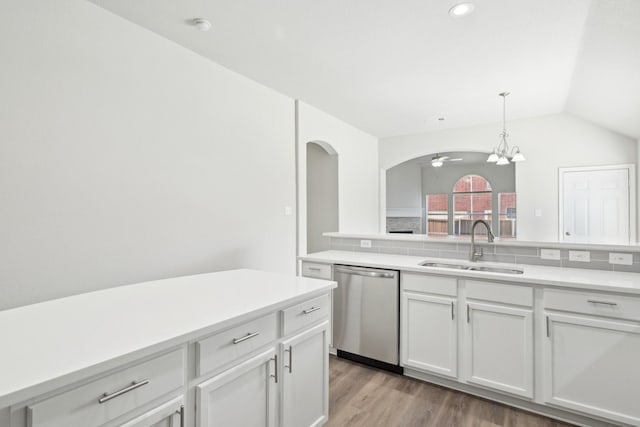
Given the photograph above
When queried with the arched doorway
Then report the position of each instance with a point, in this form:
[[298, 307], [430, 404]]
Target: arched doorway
[[322, 194]]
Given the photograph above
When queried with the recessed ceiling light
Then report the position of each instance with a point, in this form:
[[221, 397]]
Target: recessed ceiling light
[[461, 9], [202, 24]]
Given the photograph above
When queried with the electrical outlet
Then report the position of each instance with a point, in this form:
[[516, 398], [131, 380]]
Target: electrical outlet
[[618, 258], [365, 243], [549, 253], [580, 256]]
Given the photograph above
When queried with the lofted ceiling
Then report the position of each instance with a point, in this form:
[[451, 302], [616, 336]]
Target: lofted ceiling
[[393, 67]]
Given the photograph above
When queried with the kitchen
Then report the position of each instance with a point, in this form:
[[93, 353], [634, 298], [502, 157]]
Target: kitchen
[[131, 140]]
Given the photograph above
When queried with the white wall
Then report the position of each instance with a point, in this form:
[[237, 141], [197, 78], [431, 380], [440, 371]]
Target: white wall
[[548, 142], [124, 157], [358, 189]]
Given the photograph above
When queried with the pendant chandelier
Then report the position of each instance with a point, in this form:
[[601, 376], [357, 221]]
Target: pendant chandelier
[[501, 154]]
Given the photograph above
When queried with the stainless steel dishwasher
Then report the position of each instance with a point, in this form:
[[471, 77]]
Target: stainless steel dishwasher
[[366, 307]]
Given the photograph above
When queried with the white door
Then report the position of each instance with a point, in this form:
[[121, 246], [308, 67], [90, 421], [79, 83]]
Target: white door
[[169, 414], [499, 348], [595, 205], [591, 365], [305, 378], [429, 334], [242, 396]]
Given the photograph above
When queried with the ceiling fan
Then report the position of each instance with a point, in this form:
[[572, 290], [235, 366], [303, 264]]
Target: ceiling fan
[[438, 160]]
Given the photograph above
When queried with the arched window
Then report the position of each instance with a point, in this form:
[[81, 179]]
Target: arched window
[[472, 200]]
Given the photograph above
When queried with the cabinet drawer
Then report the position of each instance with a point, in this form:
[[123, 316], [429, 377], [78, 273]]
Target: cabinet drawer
[[234, 343], [500, 292], [319, 271], [118, 392], [305, 314], [610, 305], [429, 284]]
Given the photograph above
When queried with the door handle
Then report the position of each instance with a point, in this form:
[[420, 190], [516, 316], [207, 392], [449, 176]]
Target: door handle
[[181, 413], [275, 364], [290, 351]]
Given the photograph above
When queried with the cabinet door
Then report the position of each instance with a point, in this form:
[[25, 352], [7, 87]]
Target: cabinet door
[[305, 378], [429, 334], [242, 396], [499, 348], [170, 414], [591, 365]]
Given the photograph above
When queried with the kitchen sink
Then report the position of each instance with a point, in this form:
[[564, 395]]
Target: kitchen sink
[[472, 267], [444, 265]]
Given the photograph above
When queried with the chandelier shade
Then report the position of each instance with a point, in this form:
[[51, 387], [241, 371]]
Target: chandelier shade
[[501, 154]]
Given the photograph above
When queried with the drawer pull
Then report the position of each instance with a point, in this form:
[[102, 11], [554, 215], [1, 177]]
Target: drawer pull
[[314, 269], [134, 385], [246, 337], [310, 310], [593, 301]]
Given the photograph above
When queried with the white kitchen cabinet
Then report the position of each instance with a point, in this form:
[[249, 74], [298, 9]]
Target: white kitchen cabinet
[[244, 395], [305, 378], [499, 348], [216, 363], [169, 414], [285, 385], [591, 366], [107, 398], [321, 271], [429, 337], [316, 270]]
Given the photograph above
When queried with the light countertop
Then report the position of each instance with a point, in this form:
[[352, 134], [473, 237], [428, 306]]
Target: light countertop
[[596, 280], [57, 342]]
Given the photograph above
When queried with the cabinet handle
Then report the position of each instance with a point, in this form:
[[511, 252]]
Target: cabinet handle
[[314, 269], [275, 365], [290, 351], [310, 310], [547, 326], [134, 385], [468, 314], [593, 301], [452, 315], [181, 413], [246, 337]]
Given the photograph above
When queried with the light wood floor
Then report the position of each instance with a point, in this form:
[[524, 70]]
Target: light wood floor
[[360, 396]]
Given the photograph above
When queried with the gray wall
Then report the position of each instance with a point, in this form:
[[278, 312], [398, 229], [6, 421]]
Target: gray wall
[[404, 186], [322, 197]]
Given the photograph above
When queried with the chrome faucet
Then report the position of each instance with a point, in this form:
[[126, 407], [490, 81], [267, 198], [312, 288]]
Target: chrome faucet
[[473, 255]]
